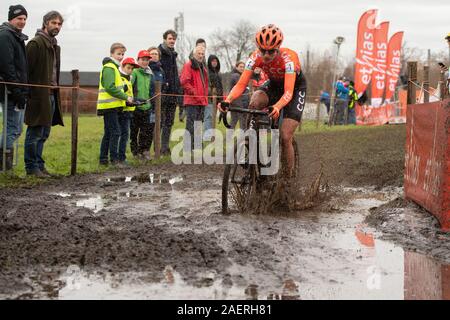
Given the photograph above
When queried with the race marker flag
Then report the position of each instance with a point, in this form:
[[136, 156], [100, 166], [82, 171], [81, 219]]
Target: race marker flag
[[365, 47], [380, 65], [394, 64]]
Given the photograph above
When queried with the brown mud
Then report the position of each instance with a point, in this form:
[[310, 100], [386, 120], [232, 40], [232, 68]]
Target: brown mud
[[157, 233]]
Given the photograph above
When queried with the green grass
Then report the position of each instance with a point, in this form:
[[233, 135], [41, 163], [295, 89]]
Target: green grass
[[57, 151]]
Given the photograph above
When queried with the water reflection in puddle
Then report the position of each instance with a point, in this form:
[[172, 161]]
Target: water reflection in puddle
[[152, 178], [94, 203], [420, 278]]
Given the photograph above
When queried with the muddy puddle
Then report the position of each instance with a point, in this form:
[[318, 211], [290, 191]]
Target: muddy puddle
[[316, 255], [159, 236]]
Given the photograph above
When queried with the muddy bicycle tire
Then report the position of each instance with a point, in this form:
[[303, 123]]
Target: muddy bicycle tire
[[228, 186]]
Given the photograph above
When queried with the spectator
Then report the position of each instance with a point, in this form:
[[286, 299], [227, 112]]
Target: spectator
[[44, 107], [215, 83], [325, 99], [169, 104], [13, 68], [352, 99], [159, 75], [143, 88], [194, 79], [125, 115], [241, 102], [445, 71], [258, 79], [341, 100], [198, 42], [111, 99]]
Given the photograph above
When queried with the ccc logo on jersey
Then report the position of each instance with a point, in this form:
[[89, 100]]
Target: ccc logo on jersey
[[301, 100]]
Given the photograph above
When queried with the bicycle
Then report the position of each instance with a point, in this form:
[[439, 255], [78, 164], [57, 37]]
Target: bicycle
[[243, 180]]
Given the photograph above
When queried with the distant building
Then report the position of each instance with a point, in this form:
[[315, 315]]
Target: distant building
[[87, 99]]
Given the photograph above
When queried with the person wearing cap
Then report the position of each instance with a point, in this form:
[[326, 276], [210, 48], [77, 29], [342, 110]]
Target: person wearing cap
[[126, 69], [13, 68], [111, 99], [143, 89]]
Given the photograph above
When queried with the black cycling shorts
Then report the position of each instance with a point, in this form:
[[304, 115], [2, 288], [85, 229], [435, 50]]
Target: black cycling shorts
[[294, 109]]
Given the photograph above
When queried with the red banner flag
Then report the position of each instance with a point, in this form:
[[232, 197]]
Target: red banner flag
[[380, 66], [365, 47], [393, 64]]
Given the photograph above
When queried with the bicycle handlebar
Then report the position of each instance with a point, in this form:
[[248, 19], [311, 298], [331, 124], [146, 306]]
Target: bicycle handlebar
[[242, 110]]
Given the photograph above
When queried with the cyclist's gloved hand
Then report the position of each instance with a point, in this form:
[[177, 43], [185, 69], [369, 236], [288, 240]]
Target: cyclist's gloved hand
[[274, 112], [223, 106]]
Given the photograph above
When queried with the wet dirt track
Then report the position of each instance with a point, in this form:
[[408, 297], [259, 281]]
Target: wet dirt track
[[156, 234]]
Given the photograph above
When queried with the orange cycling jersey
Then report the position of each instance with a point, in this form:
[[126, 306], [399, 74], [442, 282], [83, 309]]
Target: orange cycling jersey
[[284, 68]]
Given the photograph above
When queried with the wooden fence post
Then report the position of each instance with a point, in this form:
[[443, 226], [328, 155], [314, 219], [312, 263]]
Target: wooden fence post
[[75, 85], [157, 132], [318, 113], [412, 81]]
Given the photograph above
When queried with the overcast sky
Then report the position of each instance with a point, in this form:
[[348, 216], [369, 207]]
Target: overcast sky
[[91, 26]]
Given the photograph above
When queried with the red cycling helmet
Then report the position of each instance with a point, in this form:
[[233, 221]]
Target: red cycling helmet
[[269, 37]]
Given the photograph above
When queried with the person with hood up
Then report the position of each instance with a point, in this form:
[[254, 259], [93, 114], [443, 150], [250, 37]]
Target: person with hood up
[[241, 102], [194, 80], [215, 88], [13, 68]]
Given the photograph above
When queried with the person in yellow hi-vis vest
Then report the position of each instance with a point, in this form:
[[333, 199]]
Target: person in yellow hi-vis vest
[[128, 65], [352, 100], [111, 99]]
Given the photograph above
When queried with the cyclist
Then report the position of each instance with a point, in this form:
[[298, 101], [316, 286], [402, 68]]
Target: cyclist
[[285, 87]]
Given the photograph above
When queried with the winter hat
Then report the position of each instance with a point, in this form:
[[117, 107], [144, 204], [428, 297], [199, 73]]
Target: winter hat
[[15, 11]]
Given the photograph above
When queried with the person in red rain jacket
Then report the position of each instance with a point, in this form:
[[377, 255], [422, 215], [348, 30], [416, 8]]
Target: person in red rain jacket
[[194, 80]]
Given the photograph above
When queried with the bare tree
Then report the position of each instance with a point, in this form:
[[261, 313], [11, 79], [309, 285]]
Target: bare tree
[[235, 44], [185, 45]]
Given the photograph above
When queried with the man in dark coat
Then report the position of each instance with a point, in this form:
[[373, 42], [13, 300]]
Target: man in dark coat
[[169, 104], [43, 110], [13, 68]]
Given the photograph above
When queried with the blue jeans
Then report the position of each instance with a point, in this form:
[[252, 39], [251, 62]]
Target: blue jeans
[[193, 114], [351, 116], [124, 123], [14, 125], [208, 121], [34, 144], [110, 141]]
